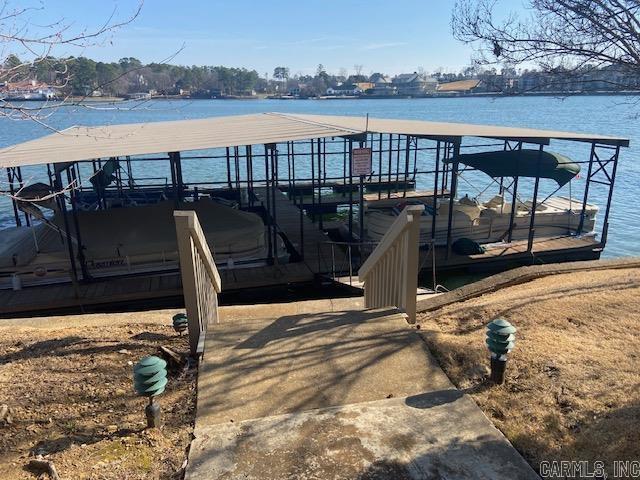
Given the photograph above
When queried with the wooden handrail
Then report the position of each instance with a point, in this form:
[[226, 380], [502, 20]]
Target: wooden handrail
[[201, 244], [397, 228], [390, 274], [200, 278]]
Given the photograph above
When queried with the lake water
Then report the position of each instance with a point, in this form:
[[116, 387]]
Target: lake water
[[613, 115]]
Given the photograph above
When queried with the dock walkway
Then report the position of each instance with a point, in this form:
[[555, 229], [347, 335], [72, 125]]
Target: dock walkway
[[325, 390]]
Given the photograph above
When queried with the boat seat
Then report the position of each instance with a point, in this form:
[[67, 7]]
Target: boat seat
[[469, 211], [471, 202], [523, 207], [496, 201]]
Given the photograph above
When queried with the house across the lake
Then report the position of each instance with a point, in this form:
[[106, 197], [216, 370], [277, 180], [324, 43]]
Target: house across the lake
[[345, 89], [382, 86], [27, 90], [414, 84]]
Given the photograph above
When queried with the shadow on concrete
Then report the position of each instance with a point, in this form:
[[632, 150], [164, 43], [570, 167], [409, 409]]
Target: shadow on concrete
[[297, 325], [433, 399], [257, 368]]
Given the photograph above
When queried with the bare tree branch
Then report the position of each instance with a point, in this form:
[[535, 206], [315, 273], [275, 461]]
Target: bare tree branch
[[567, 39], [15, 35]]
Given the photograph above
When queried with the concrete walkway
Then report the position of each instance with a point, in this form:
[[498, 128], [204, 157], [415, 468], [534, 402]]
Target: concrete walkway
[[336, 395]]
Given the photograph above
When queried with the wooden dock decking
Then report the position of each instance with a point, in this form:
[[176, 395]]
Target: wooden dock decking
[[339, 186], [545, 250], [159, 287], [381, 199], [111, 290], [149, 288]]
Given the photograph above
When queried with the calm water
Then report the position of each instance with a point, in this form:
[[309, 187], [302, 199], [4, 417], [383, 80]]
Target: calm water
[[599, 114]]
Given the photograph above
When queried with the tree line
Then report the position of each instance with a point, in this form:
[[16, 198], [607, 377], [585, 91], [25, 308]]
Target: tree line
[[81, 76], [84, 76]]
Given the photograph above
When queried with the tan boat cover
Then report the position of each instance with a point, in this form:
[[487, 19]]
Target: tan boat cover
[[150, 229]]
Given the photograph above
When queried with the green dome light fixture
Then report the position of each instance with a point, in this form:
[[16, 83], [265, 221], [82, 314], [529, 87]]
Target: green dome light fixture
[[150, 380], [180, 323], [500, 341]]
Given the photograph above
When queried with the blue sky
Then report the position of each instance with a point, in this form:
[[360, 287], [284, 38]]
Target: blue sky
[[382, 35]]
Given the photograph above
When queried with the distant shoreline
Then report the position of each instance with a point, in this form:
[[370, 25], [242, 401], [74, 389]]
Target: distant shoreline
[[466, 95], [414, 97], [92, 100]]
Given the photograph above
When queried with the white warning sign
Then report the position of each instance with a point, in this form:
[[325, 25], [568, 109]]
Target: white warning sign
[[361, 162]]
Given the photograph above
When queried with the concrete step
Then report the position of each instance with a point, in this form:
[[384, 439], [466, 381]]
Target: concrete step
[[435, 435]]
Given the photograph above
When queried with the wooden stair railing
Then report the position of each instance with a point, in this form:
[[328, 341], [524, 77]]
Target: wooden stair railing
[[200, 278], [390, 274]]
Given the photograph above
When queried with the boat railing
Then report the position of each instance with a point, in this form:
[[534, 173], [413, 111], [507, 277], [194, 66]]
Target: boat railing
[[390, 274], [200, 278]]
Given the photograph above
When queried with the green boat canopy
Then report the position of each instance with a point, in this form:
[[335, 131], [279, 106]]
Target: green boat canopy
[[521, 163]]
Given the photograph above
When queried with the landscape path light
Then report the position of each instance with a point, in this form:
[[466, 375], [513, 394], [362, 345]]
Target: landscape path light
[[180, 323], [150, 380], [500, 341]]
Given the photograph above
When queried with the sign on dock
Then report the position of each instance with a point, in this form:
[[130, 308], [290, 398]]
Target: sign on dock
[[361, 162]]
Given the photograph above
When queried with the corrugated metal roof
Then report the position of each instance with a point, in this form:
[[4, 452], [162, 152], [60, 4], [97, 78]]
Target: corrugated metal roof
[[86, 143]]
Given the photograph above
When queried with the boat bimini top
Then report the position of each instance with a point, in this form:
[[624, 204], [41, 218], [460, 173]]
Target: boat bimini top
[[521, 163]]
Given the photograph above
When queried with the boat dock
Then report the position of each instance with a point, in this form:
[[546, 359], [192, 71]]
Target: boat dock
[[166, 285], [278, 243]]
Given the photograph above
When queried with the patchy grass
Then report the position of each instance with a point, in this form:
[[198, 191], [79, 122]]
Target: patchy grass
[[69, 383], [572, 389]]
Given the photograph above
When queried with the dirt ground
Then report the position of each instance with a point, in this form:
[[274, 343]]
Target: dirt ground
[[68, 382], [573, 380]]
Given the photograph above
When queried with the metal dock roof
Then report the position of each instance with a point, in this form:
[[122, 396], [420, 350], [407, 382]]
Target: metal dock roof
[[87, 143]]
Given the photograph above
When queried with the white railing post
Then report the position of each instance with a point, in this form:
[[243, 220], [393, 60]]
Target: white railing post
[[390, 274], [200, 278]]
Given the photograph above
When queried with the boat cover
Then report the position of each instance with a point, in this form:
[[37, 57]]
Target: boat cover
[[150, 229], [521, 163]]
